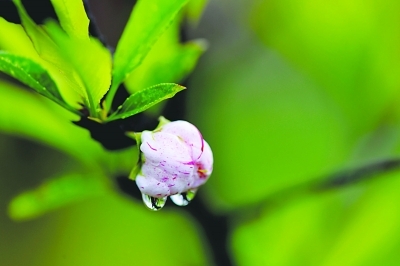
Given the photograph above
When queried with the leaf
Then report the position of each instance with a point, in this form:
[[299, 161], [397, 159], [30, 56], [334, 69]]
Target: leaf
[[54, 194], [88, 56], [41, 41], [167, 61], [146, 23], [73, 18], [144, 99], [13, 38], [110, 224], [353, 225], [350, 50], [59, 66], [90, 59], [32, 75], [74, 57], [27, 115], [195, 9], [169, 68]]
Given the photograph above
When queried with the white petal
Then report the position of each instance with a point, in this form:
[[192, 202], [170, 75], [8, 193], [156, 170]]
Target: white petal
[[157, 182], [166, 151], [175, 159], [152, 187], [188, 133]]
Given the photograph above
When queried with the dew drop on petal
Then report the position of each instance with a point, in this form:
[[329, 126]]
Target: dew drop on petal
[[154, 204], [184, 198]]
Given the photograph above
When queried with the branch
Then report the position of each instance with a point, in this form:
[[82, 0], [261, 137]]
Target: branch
[[351, 176]]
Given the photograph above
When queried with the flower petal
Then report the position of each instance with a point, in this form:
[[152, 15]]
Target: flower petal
[[152, 187], [158, 182], [175, 158], [204, 167], [188, 133], [166, 151]]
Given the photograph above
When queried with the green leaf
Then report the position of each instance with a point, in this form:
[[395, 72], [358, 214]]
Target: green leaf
[[141, 32], [167, 61], [147, 22], [41, 41], [90, 59], [195, 9], [59, 66], [83, 62], [31, 116], [350, 50], [110, 224], [13, 38], [55, 193], [353, 225], [72, 17], [144, 99], [32, 75]]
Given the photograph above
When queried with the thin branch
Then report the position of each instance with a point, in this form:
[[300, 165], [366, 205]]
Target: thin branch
[[351, 176]]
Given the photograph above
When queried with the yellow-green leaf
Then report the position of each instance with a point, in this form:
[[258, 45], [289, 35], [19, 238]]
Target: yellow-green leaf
[[90, 59], [73, 18], [51, 58]]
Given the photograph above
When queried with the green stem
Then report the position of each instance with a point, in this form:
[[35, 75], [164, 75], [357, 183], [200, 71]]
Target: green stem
[[92, 108], [110, 97]]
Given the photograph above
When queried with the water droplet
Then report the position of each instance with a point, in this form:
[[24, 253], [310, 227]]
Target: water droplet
[[154, 204], [184, 198]]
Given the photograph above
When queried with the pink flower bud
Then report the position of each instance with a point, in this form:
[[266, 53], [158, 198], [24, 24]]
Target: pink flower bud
[[175, 159]]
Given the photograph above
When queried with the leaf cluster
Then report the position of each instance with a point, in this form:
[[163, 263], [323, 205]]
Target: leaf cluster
[[61, 61]]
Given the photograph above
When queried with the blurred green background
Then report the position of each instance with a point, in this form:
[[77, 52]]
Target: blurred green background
[[288, 94]]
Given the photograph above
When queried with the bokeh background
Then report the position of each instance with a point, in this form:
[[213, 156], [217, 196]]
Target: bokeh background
[[290, 95]]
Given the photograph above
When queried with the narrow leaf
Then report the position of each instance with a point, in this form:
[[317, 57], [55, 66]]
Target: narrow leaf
[[90, 59], [54, 194], [144, 99], [84, 62], [195, 9], [13, 38], [59, 66], [41, 41], [170, 67], [167, 61], [73, 18], [146, 23], [32, 75]]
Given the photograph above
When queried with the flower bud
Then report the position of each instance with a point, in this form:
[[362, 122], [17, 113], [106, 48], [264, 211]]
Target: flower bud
[[175, 160]]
